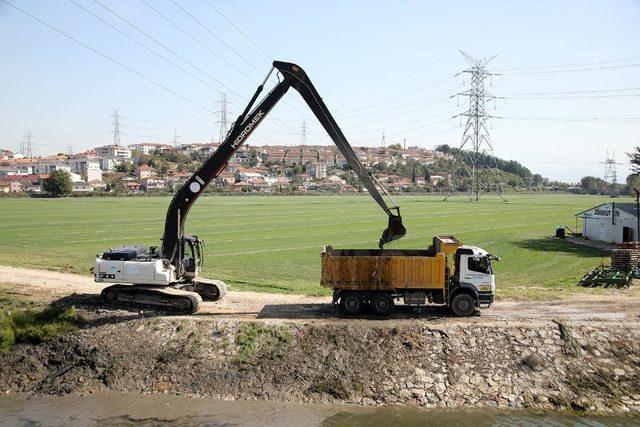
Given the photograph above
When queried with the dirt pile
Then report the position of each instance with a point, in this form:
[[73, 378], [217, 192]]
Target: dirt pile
[[543, 365]]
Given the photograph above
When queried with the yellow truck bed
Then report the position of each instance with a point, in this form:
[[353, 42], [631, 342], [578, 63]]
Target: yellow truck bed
[[381, 269]]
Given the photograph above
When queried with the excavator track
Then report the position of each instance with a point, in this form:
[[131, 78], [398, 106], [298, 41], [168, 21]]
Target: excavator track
[[208, 289], [166, 298]]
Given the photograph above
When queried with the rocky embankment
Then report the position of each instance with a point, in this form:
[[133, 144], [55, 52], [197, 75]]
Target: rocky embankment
[[540, 365]]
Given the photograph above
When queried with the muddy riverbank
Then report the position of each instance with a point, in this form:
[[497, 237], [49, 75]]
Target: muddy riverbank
[[546, 365], [579, 355]]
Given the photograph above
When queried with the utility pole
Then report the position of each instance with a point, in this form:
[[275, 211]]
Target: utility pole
[[610, 175], [473, 172], [116, 127]]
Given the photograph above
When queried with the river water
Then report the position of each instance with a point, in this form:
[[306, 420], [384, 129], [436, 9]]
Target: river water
[[115, 409]]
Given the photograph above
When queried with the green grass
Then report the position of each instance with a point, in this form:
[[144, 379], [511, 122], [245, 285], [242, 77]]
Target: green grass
[[273, 244], [34, 326]]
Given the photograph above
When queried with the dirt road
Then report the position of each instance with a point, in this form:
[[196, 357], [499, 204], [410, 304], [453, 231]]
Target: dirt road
[[47, 286]]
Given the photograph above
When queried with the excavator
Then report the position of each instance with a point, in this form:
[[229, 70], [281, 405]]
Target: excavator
[[169, 277]]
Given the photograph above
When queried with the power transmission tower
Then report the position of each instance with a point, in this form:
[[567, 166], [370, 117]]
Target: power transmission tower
[[222, 114], [69, 149], [303, 133], [176, 137], [116, 127], [610, 175], [383, 142], [474, 174], [26, 145]]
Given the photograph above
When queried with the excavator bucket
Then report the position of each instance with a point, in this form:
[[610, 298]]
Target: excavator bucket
[[394, 231]]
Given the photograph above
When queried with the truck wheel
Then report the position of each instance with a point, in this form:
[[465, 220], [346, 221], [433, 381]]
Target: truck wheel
[[351, 303], [381, 304], [463, 305]]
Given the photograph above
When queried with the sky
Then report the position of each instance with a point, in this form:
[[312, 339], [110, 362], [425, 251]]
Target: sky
[[566, 74]]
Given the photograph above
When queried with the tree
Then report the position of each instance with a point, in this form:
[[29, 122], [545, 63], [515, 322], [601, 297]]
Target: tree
[[634, 159], [427, 175], [593, 185], [633, 182], [58, 184], [413, 175], [395, 146]]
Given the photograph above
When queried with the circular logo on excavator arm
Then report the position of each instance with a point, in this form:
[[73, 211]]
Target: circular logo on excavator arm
[[194, 187]]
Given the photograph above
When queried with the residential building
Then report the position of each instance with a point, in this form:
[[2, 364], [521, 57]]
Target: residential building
[[147, 148], [145, 171]]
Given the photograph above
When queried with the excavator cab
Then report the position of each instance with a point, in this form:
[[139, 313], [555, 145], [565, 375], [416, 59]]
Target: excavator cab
[[192, 251]]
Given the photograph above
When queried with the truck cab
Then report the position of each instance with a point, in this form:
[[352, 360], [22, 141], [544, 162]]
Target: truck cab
[[473, 275]]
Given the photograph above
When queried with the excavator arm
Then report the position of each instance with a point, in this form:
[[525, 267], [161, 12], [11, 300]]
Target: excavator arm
[[295, 77]]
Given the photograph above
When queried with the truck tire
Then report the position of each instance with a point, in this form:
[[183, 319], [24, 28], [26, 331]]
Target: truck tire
[[381, 304], [351, 303], [463, 305]]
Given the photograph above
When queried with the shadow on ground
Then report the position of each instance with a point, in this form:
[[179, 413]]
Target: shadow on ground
[[327, 311], [96, 313], [553, 244]]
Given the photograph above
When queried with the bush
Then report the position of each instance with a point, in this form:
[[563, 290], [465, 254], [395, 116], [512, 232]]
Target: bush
[[32, 326]]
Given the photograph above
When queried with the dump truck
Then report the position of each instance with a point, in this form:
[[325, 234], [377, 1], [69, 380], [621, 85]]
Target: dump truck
[[448, 273]]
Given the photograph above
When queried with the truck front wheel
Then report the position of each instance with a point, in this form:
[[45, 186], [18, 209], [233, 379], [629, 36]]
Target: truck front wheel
[[463, 305], [351, 303], [381, 304]]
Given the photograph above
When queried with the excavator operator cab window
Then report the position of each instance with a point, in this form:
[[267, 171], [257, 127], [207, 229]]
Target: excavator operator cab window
[[192, 259]]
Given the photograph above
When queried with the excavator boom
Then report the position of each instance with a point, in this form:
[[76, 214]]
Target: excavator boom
[[293, 76]]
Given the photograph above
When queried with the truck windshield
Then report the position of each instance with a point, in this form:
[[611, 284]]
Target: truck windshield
[[481, 265]]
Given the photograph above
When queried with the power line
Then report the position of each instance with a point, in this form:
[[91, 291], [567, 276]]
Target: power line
[[137, 42], [266, 36], [395, 98], [239, 30], [570, 70], [204, 27], [624, 89], [403, 105], [188, 34], [192, 37], [164, 46], [569, 119], [120, 64], [575, 64]]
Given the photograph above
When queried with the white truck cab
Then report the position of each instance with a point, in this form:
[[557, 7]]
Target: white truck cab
[[473, 271]]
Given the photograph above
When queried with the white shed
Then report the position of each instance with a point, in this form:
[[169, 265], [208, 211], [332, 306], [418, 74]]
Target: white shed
[[611, 222]]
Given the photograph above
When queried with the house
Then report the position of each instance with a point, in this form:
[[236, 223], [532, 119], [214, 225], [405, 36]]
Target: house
[[317, 170], [148, 147], [111, 156], [611, 222], [81, 187], [113, 151], [152, 184], [145, 171], [8, 186]]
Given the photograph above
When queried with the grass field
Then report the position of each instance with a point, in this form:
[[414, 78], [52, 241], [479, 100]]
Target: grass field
[[273, 244]]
